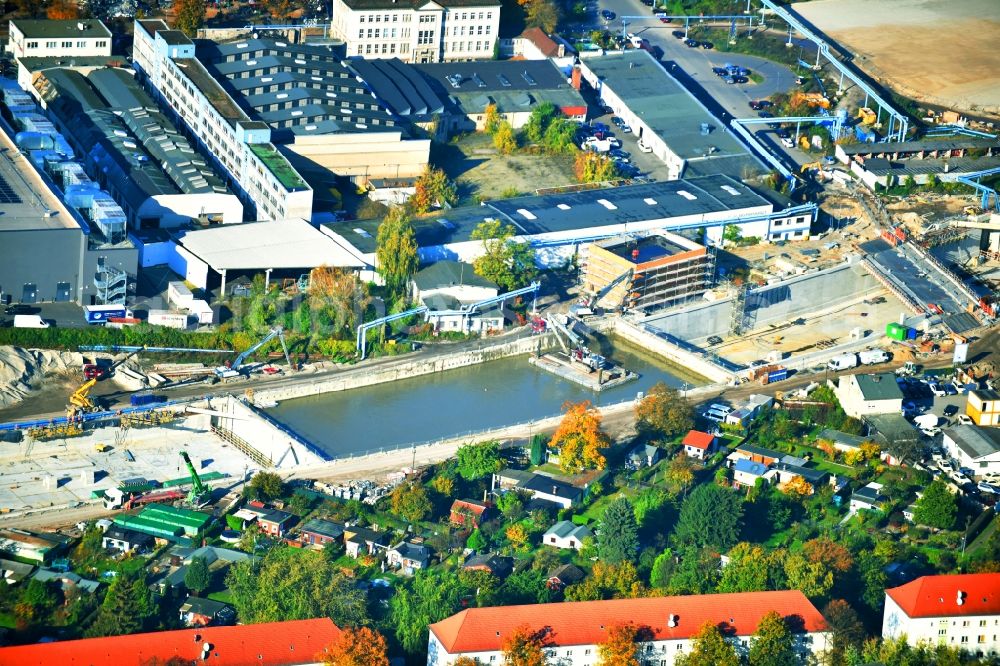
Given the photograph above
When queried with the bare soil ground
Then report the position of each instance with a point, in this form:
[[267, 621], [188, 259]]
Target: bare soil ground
[[937, 52], [481, 172]]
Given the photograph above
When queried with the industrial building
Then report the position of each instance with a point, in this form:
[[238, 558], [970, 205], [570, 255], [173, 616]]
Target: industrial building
[[945, 158], [444, 30], [55, 249], [659, 270], [62, 38], [560, 225], [271, 189], [133, 150], [166, 522], [974, 447], [667, 118]]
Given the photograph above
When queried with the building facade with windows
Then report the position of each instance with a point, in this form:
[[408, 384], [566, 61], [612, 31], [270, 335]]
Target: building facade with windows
[[46, 38], [960, 611], [575, 629], [270, 187], [417, 31]]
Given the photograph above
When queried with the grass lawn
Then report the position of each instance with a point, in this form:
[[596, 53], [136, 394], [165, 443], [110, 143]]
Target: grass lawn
[[225, 596], [7, 620]]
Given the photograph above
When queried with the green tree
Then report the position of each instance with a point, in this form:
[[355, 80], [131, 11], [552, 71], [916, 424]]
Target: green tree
[[265, 486], [538, 446], [618, 538], [396, 251], [542, 14], [773, 643], [696, 573], [504, 138], [812, 578], [127, 608], [197, 578], [411, 502], [433, 188], [190, 16], [560, 136], [478, 460], [663, 569], [284, 587], [752, 568], [539, 120], [710, 648], [511, 505], [428, 597], [476, 541], [592, 167], [710, 516], [509, 263], [937, 507], [731, 234], [664, 411]]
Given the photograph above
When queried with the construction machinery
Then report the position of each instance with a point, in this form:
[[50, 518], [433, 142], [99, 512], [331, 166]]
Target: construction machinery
[[577, 350], [235, 370], [590, 303], [199, 495], [812, 99], [98, 372], [867, 116], [79, 400]]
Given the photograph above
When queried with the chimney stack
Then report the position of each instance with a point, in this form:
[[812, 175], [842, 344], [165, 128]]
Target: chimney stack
[[576, 77]]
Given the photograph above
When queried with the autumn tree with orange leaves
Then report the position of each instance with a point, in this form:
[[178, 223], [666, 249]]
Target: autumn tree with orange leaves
[[356, 647], [620, 647], [524, 647], [579, 438], [62, 10], [797, 487], [464, 661]]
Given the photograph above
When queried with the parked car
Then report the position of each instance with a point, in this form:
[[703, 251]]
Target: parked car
[[665, 19], [607, 15], [707, 45], [19, 309], [787, 142], [617, 152], [692, 43], [950, 410], [936, 390], [721, 71], [714, 340], [740, 79], [950, 389], [679, 34], [764, 114]]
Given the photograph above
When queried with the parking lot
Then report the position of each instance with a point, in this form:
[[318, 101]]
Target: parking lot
[[647, 164]]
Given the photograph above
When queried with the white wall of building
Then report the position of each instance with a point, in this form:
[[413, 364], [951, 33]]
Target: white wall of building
[[175, 210], [974, 633], [982, 465], [66, 44], [193, 269], [854, 403]]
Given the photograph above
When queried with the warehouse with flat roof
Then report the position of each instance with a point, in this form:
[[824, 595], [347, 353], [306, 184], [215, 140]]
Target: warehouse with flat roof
[[665, 116]]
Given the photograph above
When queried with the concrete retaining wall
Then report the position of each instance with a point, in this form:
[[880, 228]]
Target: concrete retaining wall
[[271, 440], [368, 376], [686, 359]]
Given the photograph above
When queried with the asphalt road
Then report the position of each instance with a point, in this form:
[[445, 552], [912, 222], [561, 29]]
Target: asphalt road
[[695, 65]]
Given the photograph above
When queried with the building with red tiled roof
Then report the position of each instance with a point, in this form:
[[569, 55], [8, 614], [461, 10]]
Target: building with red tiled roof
[[536, 45], [698, 444], [468, 513], [574, 629], [294, 643], [960, 611]]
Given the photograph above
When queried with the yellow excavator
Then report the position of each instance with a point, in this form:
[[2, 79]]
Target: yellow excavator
[[79, 400]]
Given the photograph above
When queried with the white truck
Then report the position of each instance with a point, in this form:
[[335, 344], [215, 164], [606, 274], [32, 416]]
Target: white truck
[[168, 318], [843, 362], [873, 356], [598, 145]]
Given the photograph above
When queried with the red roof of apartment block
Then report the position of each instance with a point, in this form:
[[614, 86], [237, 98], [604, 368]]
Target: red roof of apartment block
[[586, 622], [945, 596], [272, 644]]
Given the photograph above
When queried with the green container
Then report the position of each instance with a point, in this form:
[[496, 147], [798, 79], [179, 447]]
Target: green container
[[895, 331]]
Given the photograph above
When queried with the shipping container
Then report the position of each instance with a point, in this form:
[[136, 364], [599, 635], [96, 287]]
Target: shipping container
[[911, 334], [140, 399], [179, 294], [202, 311], [168, 318], [895, 331], [99, 314], [777, 376]]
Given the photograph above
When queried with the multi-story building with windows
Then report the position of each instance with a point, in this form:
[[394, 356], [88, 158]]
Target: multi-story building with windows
[[432, 31], [39, 39], [270, 187], [960, 611], [667, 624]]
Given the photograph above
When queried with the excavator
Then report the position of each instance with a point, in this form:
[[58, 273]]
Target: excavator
[[588, 304], [200, 494], [235, 370], [79, 400]]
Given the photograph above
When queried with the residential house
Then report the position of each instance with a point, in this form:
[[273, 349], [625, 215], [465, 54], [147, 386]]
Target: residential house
[[973, 447], [126, 541], [292, 643], [645, 455], [861, 395], [983, 407], [67, 580], [698, 445], [216, 558], [492, 563], [14, 572], [784, 472], [746, 472], [891, 432], [841, 440], [36, 546], [563, 575], [409, 557], [198, 612], [547, 489], [566, 534], [449, 287], [275, 522], [534, 44], [575, 629], [360, 541], [748, 411], [961, 610], [756, 454], [869, 497], [468, 513], [319, 532]]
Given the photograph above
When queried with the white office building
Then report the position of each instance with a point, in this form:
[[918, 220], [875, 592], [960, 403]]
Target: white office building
[[67, 39], [433, 31], [266, 181]]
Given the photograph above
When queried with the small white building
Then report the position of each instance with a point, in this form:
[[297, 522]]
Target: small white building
[[960, 611], [983, 407], [575, 629], [409, 557], [68, 39], [698, 445], [449, 287], [973, 447], [861, 395], [565, 535], [869, 498]]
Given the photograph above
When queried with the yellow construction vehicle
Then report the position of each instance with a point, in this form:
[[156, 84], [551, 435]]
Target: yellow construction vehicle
[[79, 400], [810, 166], [102, 448], [804, 142], [867, 116]]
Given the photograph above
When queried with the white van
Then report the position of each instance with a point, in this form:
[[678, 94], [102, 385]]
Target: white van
[[717, 412], [29, 321], [643, 148]]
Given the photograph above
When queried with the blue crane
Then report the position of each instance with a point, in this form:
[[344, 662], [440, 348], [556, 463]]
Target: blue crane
[[237, 365]]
